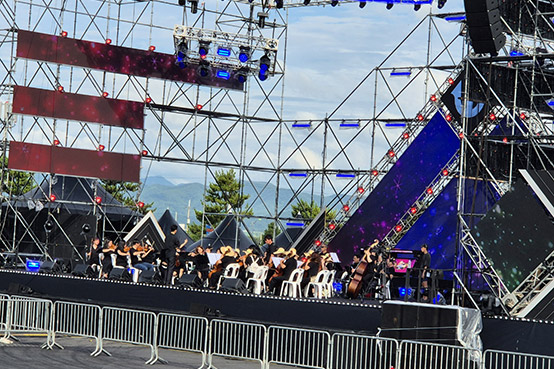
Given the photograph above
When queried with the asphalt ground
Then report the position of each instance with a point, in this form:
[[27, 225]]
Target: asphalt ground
[[27, 354]]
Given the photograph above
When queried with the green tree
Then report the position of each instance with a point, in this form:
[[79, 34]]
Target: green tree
[[308, 210], [222, 195], [125, 193], [269, 230], [15, 182]]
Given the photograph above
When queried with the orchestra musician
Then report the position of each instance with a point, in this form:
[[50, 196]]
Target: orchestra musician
[[287, 265], [94, 254], [312, 266], [227, 257], [251, 262], [108, 249], [139, 256], [268, 248], [169, 253], [122, 253], [201, 262]]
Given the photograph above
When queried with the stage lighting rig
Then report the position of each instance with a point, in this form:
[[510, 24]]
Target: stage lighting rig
[[334, 3], [441, 4], [389, 6], [204, 48], [262, 16], [362, 4], [193, 6], [265, 65], [417, 6]]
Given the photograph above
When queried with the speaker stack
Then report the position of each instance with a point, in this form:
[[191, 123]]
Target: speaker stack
[[484, 25]]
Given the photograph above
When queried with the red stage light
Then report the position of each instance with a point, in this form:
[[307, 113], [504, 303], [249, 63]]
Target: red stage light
[[203, 56], [101, 147], [148, 100], [429, 191], [317, 242], [361, 190], [406, 135], [199, 106], [52, 197], [413, 210], [345, 207], [144, 152], [433, 98], [523, 116], [391, 154], [140, 204], [56, 142], [448, 117], [492, 116], [105, 94], [505, 140], [332, 226], [98, 200], [461, 134], [374, 173], [108, 41], [450, 81], [60, 88], [420, 117], [445, 172], [152, 48], [64, 33], [398, 228]]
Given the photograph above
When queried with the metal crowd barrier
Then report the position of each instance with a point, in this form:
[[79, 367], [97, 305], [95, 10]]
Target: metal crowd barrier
[[355, 351], [4, 309], [75, 319], [181, 332], [237, 340], [417, 355], [30, 315], [493, 359], [301, 347], [137, 327]]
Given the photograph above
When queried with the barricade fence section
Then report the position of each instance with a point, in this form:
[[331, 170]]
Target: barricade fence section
[[418, 355], [30, 315], [355, 351], [4, 309], [75, 319], [182, 332], [237, 340], [128, 326], [493, 359], [301, 347]]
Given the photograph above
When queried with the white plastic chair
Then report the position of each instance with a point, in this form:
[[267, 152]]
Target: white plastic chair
[[232, 271], [258, 280], [292, 287], [319, 284], [329, 284]]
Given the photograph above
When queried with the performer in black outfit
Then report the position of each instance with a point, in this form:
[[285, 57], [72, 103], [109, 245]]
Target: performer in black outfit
[[288, 265], [201, 262], [171, 247], [268, 248], [425, 265], [94, 252], [228, 257]]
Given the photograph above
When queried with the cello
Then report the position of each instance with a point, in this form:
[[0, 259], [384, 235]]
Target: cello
[[355, 285]]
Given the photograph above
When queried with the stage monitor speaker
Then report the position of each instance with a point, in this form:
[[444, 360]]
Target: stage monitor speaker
[[190, 280], [19, 289], [484, 26], [120, 274], [147, 276], [82, 270], [233, 285], [50, 267]]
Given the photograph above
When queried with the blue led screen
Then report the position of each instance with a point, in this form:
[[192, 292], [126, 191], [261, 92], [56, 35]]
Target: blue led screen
[[436, 227], [400, 187]]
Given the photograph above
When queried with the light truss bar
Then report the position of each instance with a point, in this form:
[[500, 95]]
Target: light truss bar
[[301, 3]]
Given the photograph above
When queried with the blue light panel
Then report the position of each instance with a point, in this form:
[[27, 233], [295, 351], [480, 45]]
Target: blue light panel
[[516, 53], [32, 265], [403, 73], [298, 174], [349, 125], [455, 18], [346, 175], [224, 52], [295, 224], [391, 124], [223, 74], [301, 125]]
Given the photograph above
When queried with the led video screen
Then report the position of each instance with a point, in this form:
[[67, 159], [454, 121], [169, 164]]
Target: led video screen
[[112, 58], [45, 103], [408, 178], [515, 235], [74, 162]]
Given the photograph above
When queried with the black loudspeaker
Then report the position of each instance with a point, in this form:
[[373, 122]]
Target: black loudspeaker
[[233, 285], [190, 280], [18, 289], [484, 25], [50, 267], [147, 276], [120, 274], [82, 270]]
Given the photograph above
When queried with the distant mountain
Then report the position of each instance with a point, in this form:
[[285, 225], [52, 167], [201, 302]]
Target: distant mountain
[[166, 195]]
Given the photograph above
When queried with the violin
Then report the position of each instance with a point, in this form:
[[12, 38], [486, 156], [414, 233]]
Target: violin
[[217, 268]]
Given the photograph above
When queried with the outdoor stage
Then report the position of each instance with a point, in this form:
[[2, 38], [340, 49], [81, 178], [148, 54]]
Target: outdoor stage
[[509, 334]]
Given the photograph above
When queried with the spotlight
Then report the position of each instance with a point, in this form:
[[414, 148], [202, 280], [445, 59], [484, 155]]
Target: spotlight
[[224, 51], [140, 204], [279, 4], [203, 48], [182, 2], [262, 16], [52, 197], [101, 147], [223, 74], [265, 63], [389, 6], [417, 7], [193, 6], [48, 226], [204, 69], [108, 41], [334, 3], [306, 2], [441, 3], [244, 53], [144, 152], [242, 75], [362, 4], [85, 228], [98, 200]]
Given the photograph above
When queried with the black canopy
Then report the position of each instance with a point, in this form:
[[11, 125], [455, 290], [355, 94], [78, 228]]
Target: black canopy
[[225, 234]]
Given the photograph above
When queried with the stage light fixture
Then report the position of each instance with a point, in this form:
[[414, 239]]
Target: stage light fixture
[[413, 210], [361, 190], [445, 172], [148, 100], [244, 53], [182, 2], [332, 226], [224, 51], [60, 89], [85, 228], [144, 152], [279, 4], [199, 106], [362, 4], [505, 140], [374, 172], [105, 94], [429, 191], [262, 16], [101, 147], [108, 41], [32, 265], [98, 200], [204, 69], [398, 228], [306, 2], [433, 98], [492, 116], [448, 117], [223, 74], [417, 7], [193, 6], [420, 117], [317, 243], [450, 81], [140, 204], [265, 63], [48, 226], [391, 154], [334, 3], [64, 33], [56, 142], [522, 116], [52, 197], [441, 4], [389, 6], [242, 75], [461, 134], [405, 135], [204, 48], [346, 208]]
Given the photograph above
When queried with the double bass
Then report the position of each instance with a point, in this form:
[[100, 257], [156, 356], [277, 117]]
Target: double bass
[[355, 285]]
